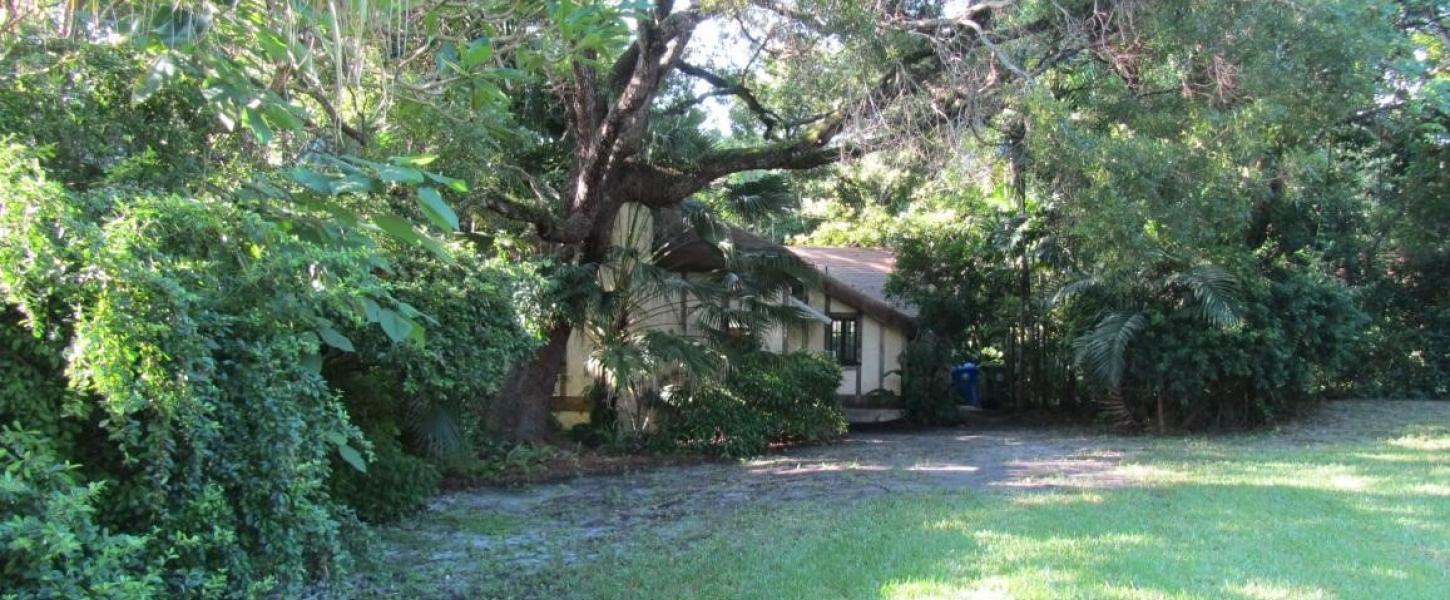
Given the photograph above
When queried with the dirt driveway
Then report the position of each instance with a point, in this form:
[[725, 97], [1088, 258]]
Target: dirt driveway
[[524, 533], [512, 542]]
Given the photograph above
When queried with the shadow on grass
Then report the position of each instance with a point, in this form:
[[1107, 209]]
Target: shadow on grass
[[1347, 526]]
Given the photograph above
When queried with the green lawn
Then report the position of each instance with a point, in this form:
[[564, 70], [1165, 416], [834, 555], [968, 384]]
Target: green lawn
[[1239, 517]]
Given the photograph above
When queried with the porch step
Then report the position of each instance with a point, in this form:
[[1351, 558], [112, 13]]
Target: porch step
[[873, 415]]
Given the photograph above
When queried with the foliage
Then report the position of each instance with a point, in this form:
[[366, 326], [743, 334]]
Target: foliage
[[54, 545], [397, 484], [199, 365], [170, 297], [1299, 332], [926, 392], [430, 390], [765, 398]]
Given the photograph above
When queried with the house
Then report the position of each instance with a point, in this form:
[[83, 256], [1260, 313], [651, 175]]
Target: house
[[853, 320]]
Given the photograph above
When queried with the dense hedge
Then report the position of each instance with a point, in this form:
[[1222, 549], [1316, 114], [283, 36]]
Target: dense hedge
[[1299, 333], [168, 345], [182, 345], [765, 398], [194, 389]]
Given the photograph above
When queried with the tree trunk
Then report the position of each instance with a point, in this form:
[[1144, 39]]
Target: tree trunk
[[520, 411]]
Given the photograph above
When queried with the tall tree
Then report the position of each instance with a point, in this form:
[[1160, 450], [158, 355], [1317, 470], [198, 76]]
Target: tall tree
[[852, 79]]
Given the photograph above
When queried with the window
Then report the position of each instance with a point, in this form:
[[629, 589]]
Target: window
[[843, 339]]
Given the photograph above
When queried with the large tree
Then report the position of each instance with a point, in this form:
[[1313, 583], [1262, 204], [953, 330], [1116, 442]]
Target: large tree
[[820, 82]]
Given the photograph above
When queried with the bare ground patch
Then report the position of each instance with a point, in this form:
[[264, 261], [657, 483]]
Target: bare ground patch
[[521, 534]]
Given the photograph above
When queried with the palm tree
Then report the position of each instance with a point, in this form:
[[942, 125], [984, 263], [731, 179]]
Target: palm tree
[[1122, 304], [633, 299]]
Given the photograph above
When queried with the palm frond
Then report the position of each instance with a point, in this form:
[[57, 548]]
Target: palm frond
[[1215, 293], [1075, 288], [760, 198], [1103, 351], [695, 358], [437, 432]]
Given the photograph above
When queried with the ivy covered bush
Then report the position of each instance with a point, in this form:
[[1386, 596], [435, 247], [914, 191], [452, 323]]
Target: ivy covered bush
[[765, 398], [53, 545], [177, 335], [194, 386]]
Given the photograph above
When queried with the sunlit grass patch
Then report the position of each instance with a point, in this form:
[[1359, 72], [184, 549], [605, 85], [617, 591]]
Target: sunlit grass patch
[[1241, 517]]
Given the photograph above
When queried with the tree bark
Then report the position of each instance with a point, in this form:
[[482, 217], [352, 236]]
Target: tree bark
[[520, 412]]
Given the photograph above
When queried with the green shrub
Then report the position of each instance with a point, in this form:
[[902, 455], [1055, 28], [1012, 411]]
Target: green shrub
[[189, 335], [765, 398], [796, 392], [395, 485], [926, 394], [433, 393], [51, 544], [1298, 334]]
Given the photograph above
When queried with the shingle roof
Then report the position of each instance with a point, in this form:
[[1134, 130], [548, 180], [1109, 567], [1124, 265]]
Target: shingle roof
[[862, 269]]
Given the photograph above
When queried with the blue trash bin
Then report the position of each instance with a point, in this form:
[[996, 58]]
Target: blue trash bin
[[964, 381]]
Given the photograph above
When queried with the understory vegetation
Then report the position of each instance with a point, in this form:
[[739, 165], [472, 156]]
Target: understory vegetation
[[274, 272], [765, 398]]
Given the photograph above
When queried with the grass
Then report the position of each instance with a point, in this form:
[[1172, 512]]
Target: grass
[[1239, 517], [1344, 514]]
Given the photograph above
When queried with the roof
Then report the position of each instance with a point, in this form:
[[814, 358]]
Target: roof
[[856, 276], [862, 269]]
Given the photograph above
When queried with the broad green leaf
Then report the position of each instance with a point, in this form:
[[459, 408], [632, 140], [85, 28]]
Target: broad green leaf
[[312, 180], [371, 309], [281, 115], [436, 247], [336, 339], [161, 70], [479, 51], [416, 160], [352, 457], [399, 174], [397, 326], [457, 185], [253, 121], [397, 227], [273, 44], [436, 209]]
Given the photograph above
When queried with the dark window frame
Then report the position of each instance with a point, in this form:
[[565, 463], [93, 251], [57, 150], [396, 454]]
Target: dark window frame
[[846, 346]]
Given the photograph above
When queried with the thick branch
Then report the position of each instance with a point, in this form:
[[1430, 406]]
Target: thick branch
[[724, 86]]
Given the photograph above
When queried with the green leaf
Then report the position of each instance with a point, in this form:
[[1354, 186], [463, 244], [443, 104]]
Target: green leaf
[[397, 227], [479, 51], [416, 160], [352, 457], [457, 185], [398, 327], [436, 247], [311, 180], [312, 363], [371, 309], [281, 115], [161, 70], [273, 45], [399, 174], [336, 339], [253, 121], [436, 209]]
